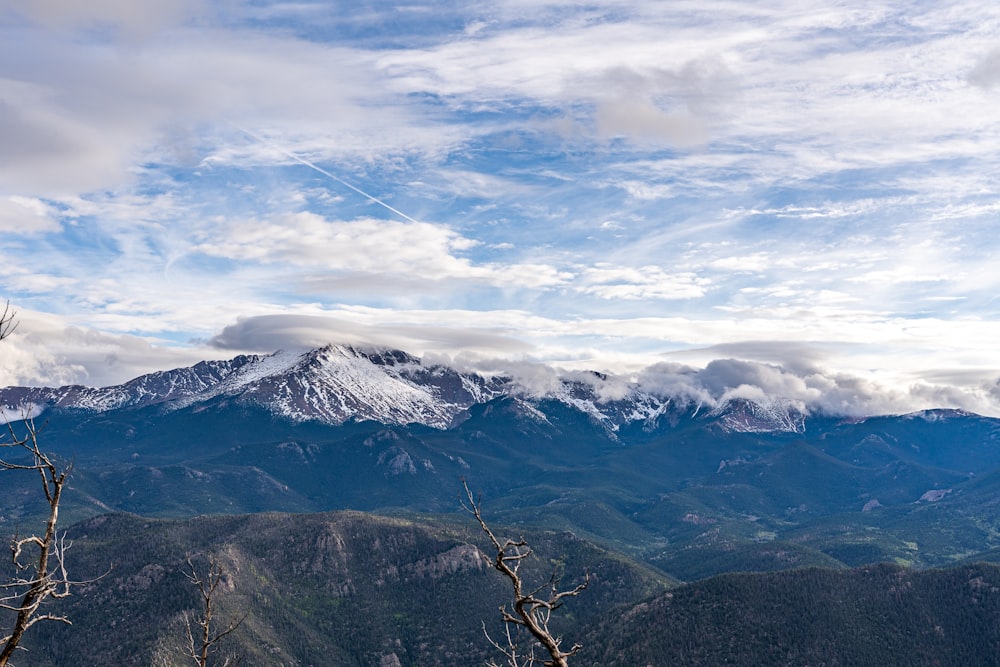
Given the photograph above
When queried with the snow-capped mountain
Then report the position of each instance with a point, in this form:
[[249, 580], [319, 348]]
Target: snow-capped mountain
[[338, 383], [158, 387], [332, 384]]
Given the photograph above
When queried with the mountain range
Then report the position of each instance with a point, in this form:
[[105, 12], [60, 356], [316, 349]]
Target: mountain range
[[241, 456], [339, 383], [695, 489]]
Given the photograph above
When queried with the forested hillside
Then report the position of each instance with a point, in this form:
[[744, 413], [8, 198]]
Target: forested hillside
[[344, 588], [874, 616], [356, 589]]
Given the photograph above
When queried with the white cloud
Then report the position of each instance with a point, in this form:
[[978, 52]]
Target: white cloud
[[77, 117], [26, 215], [422, 251], [755, 263], [643, 282], [47, 351]]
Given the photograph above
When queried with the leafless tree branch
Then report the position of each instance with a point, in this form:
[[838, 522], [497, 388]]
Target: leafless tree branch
[[202, 640], [531, 610], [8, 321], [38, 561], [511, 649]]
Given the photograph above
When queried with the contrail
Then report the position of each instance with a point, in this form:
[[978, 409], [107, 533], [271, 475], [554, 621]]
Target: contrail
[[327, 174]]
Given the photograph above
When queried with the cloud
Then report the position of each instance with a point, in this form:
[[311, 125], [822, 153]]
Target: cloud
[[676, 381], [986, 73], [47, 150], [724, 375], [643, 282], [359, 245], [138, 15], [47, 351], [801, 358], [791, 371], [381, 248], [745, 264], [662, 104], [820, 179], [467, 347], [814, 390], [641, 119], [79, 116], [721, 380], [629, 90], [26, 215], [268, 333]]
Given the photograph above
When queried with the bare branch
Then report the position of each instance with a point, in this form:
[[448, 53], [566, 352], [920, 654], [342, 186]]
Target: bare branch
[[42, 557], [530, 610], [201, 648], [511, 649], [8, 323]]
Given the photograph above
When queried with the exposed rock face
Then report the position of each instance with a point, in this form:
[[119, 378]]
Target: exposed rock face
[[457, 559]]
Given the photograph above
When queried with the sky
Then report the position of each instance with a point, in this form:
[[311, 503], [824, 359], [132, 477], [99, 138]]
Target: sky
[[803, 193]]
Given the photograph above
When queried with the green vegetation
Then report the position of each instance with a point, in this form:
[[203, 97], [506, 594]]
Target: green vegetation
[[782, 536], [343, 588], [877, 616]]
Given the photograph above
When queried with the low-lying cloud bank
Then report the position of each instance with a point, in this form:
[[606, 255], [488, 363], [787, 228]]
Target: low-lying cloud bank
[[815, 392], [722, 380]]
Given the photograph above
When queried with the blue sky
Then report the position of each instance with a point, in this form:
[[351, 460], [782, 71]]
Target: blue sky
[[811, 186]]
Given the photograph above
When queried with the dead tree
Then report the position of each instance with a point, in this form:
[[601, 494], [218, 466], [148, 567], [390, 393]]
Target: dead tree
[[39, 568], [532, 609], [202, 639]]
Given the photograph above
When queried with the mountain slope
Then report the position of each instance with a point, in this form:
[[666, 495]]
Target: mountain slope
[[882, 616], [349, 588], [342, 588]]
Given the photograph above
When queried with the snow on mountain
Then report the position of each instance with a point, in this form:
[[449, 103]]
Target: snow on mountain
[[337, 383], [938, 415], [158, 387], [613, 404], [332, 384], [624, 404], [741, 415]]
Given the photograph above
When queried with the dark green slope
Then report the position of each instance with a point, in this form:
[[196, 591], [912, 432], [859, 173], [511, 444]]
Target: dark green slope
[[684, 494], [877, 616]]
